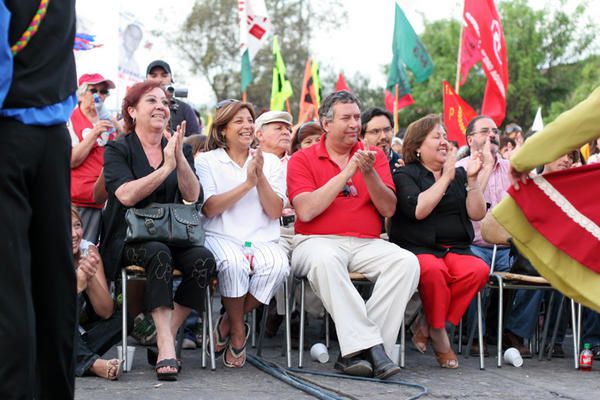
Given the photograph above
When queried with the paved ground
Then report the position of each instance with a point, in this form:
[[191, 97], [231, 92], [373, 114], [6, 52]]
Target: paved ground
[[556, 379]]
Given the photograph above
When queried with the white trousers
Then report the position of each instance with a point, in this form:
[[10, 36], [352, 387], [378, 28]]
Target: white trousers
[[326, 260], [271, 267]]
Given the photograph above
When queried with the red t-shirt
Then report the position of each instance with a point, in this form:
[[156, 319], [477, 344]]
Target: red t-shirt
[[85, 175], [348, 215]]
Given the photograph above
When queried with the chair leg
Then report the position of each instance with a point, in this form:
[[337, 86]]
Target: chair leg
[[326, 319], [301, 338], [180, 336], [124, 320], [402, 344], [480, 329], [211, 343], [500, 320], [460, 332], [555, 330], [575, 335], [288, 325], [204, 322], [263, 326], [578, 328], [253, 329], [546, 325]]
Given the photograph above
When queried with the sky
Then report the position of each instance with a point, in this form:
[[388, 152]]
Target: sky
[[361, 44]]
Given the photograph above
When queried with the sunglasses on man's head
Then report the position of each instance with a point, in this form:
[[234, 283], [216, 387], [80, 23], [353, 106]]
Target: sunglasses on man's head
[[101, 91], [224, 103]]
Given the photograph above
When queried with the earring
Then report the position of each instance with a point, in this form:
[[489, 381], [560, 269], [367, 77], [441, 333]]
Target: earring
[[418, 154], [133, 120]]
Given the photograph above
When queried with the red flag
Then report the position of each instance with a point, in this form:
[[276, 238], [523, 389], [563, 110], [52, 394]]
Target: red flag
[[482, 18], [341, 84], [457, 114], [403, 101], [470, 54], [308, 98]]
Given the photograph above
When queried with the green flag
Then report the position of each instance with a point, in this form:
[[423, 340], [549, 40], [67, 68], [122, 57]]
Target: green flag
[[282, 88], [408, 51]]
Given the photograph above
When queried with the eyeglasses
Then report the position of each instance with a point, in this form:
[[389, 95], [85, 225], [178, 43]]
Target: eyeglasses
[[101, 91], [378, 131], [487, 131], [349, 189], [224, 103]]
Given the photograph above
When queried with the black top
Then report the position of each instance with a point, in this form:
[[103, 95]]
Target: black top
[[44, 71], [125, 161], [447, 228], [393, 158], [184, 112]]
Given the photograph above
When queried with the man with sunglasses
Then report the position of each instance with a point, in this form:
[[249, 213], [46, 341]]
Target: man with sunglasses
[[340, 189], [378, 130], [483, 137], [89, 135], [160, 71]]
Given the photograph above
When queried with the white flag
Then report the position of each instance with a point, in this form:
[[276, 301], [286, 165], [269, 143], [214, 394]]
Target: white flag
[[538, 123], [254, 29]]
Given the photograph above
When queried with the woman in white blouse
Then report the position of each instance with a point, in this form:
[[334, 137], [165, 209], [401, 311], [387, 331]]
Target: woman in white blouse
[[244, 192]]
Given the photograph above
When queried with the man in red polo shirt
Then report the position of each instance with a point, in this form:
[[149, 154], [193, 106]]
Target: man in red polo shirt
[[340, 191]]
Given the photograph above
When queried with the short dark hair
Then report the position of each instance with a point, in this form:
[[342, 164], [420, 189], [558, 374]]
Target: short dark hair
[[309, 128], [471, 125], [372, 113], [326, 108]]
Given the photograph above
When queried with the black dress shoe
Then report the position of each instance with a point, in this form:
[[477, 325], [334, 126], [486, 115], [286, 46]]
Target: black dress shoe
[[356, 366], [383, 367], [474, 352], [557, 351], [596, 352]]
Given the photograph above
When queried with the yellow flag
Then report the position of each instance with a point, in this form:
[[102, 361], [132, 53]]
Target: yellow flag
[[282, 88]]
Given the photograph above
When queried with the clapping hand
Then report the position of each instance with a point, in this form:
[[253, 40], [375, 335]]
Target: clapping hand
[[476, 161], [365, 159], [449, 168], [173, 151], [516, 177]]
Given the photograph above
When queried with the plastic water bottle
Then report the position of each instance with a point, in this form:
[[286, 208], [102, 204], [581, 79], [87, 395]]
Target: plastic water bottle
[[103, 114], [585, 358], [248, 251]]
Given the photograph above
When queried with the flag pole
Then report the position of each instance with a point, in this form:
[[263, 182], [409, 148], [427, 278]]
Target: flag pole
[[287, 104], [457, 83], [396, 110], [244, 96]]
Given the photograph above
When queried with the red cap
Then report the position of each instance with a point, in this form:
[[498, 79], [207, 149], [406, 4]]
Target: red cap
[[94, 79]]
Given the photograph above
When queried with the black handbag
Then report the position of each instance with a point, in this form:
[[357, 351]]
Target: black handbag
[[520, 264], [172, 223]]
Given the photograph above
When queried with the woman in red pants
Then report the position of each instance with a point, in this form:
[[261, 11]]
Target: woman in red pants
[[435, 204]]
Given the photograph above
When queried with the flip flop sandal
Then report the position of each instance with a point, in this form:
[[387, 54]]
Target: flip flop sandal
[[110, 365], [166, 376], [218, 339], [236, 354]]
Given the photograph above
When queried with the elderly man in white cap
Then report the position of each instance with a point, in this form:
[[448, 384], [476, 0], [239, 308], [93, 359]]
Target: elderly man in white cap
[[273, 131]]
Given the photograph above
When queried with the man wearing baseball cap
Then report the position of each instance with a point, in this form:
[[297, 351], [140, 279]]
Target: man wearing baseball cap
[[89, 134], [160, 71]]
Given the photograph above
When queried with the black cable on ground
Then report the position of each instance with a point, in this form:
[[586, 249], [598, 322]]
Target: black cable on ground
[[318, 390]]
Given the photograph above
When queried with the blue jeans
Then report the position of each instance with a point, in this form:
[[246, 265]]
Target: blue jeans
[[502, 264], [525, 309], [591, 327]]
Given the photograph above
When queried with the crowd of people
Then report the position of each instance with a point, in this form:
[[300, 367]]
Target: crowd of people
[[338, 195], [320, 200]]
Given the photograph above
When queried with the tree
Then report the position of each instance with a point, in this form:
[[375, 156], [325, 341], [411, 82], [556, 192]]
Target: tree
[[209, 40], [539, 43]]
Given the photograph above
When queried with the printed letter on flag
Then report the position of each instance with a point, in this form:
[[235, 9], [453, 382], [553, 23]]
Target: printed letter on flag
[[482, 17], [254, 27], [282, 88], [457, 114]]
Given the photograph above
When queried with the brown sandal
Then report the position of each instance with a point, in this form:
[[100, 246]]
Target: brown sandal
[[447, 360], [418, 338]]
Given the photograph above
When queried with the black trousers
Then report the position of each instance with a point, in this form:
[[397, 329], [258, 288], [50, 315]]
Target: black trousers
[[197, 264], [98, 338], [37, 279]]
